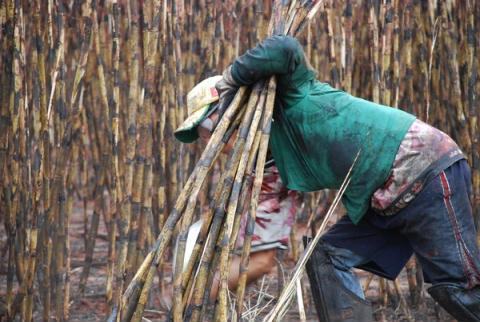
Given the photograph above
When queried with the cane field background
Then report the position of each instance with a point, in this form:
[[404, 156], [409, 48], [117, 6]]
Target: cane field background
[[90, 93]]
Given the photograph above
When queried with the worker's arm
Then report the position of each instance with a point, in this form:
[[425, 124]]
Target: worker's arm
[[277, 55]]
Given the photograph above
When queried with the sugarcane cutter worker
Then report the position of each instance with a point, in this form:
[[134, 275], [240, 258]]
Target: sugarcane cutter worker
[[277, 205], [409, 191]]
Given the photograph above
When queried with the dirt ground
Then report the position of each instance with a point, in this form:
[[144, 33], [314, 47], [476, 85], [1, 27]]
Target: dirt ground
[[260, 297]]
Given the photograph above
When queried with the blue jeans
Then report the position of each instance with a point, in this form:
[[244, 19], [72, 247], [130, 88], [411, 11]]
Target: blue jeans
[[437, 226], [343, 260]]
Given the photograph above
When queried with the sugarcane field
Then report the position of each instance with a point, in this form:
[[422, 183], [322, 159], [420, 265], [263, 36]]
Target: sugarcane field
[[240, 160]]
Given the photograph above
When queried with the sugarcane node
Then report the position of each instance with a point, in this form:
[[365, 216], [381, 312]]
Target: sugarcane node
[[182, 237], [170, 224], [219, 212], [177, 288], [243, 133], [228, 134], [267, 128], [250, 228]]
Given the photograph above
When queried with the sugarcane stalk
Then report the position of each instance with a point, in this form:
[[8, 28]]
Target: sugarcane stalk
[[243, 270], [146, 218], [419, 282], [25, 217], [245, 191], [122, 267], [151, 37], [138, 314], [205, 267], [102, 83], [265, 133], [91, 237], [138, 176], [473, 89], [196, 178], [368, 281], [347, 80], [160, 135], [216, 229], [207, 272], [188, 274], [116, 189], [197, 309], [132, 293], [69, 210], [172, 119], [412, 284], [94, 138], [212, 279], [62, 162], [403, 303], [453, 70], [406, 85], [246, 137], [162, 206], [39, 109], [396, 54], [142, 156], [432, 84], [374, 47], [15, 109], [421, 43], [334, 73], [136, 307], [187, 216], [386, 67], [200, 246], [383, 295]]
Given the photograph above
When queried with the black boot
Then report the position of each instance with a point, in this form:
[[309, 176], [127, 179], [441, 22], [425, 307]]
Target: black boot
[[333, 301], [462, 304]]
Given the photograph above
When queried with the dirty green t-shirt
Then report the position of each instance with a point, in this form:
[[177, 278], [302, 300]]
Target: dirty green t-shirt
[[318, 130]]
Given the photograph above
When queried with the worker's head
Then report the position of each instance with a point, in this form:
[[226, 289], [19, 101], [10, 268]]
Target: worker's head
[[203, 114], [202, 103]]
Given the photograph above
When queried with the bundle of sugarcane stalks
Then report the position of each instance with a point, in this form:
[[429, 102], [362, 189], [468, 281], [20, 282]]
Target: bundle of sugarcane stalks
[[221, 224], [90, 173]]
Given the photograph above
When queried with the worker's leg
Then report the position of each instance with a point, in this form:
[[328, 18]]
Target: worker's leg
[[455, 269], [336, 291], [439, 225], [260, 263], [343, 260], [364, 246]]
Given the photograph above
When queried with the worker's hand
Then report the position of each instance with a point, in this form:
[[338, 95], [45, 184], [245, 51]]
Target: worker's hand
[[227, 88]]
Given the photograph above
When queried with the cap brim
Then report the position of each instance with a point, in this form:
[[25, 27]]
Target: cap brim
[[187, 131]]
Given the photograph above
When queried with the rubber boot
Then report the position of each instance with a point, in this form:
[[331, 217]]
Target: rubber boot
[[333, 301], [462, 304]]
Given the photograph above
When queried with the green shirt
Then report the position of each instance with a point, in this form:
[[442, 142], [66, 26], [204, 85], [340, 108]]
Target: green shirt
[[318, 130]]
